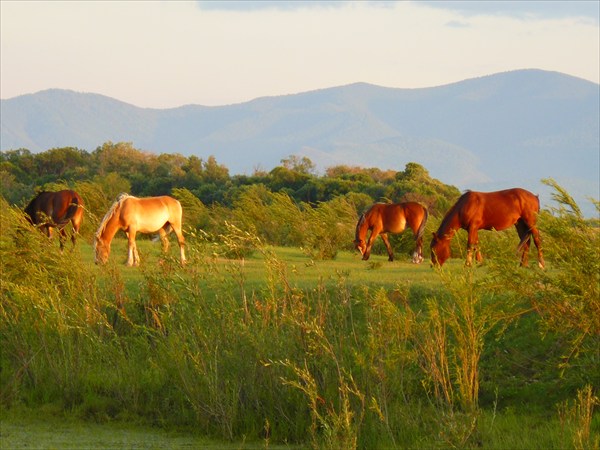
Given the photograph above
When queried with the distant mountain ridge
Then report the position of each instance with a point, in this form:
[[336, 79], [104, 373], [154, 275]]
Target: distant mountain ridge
[[501, 130]]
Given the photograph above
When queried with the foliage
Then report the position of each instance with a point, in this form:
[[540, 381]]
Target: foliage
[[571, 304], [241, 343], [281, 205], [327, 228], [119, 167]]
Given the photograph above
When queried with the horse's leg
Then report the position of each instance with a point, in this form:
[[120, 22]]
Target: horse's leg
[[473, 244], [525, 237], [136, 255], [536, 238], [74, 237], [411, 222], [129, 250], [133, 259], [75, 231], [164, 239], [418, 253], [62, 238], [181, 240], [374, 233], [525, 233], [386, 241], [538, 244]]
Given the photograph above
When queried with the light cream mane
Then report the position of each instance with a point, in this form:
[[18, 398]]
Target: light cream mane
[[115, 206]]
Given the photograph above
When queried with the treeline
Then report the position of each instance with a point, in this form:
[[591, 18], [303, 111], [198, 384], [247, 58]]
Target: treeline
[[122, 168]]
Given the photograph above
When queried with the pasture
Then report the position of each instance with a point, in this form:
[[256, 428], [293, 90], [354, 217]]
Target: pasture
[[260, 346]]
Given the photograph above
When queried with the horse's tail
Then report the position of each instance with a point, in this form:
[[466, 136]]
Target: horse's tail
[[73, 208], [421, 229], [74, 205], [525, 239]]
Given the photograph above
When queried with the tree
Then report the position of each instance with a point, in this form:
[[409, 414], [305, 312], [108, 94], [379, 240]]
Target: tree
[[123, 158], [299, 164], [214, 172], [58, 162]]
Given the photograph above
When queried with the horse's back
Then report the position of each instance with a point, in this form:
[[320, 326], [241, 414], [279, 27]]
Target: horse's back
[[497, 209], [60, 205], [516, 199], [150, 213], [383, 213], [393, 217]]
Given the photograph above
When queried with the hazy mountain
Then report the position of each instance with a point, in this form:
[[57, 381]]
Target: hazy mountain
[[503, 130]]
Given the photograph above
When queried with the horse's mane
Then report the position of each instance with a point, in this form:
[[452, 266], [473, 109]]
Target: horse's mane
[[443, 229], [359, 224], [117, 204]]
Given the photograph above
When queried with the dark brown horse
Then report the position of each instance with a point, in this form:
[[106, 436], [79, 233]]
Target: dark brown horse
[[383, 218], [499, 210], [55, 210]]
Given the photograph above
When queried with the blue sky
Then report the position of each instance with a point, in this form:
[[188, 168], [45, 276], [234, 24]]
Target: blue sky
[[166, 54]]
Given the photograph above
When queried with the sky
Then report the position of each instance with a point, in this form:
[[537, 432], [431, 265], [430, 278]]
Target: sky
[[164, 54]]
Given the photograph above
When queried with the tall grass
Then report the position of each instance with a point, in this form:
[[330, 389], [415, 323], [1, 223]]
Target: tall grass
[[239, 344]]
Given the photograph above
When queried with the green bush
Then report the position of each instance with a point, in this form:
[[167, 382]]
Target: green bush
[[242, 351]]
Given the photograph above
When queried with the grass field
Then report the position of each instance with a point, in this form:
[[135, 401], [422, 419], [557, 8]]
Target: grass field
[[271, 349], [300, 268]]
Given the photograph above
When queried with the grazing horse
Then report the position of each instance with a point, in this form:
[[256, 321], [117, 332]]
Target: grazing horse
[[383, 218], [144, 215], [55, 210], [499, 210]]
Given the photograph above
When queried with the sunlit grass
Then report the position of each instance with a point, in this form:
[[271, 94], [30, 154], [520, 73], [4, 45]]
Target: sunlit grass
[[301, 270], [226, 346]]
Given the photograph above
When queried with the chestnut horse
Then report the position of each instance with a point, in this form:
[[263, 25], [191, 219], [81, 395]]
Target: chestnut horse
[[55, 210], [144, 215], [383, 218], [499, 210]]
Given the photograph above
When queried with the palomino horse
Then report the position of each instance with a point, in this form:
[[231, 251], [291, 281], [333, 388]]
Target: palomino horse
[[55, 210], [144, 215], [489, 211], [383, 218]]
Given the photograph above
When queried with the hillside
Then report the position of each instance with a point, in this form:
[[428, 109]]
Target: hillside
[[497, 131]]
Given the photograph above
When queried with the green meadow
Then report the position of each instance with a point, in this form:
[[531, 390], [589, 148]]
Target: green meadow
[[251, 345]]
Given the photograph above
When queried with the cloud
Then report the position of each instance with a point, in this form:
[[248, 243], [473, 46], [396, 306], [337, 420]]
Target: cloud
[[458, 24], [248, 6], [163, 53], [590, 10]]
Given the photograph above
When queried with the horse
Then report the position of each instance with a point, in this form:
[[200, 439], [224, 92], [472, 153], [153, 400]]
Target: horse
[[49, 210], [145, 215], [384, 218], [499, 210]]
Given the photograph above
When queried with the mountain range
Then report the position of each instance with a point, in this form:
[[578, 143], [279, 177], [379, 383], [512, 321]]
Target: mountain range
[[502, 130]]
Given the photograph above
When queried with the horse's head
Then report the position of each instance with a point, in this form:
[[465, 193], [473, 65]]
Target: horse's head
[[102, 250], [440, 250], [360, 245]]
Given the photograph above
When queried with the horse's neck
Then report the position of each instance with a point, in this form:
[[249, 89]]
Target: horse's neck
[[450, 224], [361, 228], [110, 227]]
